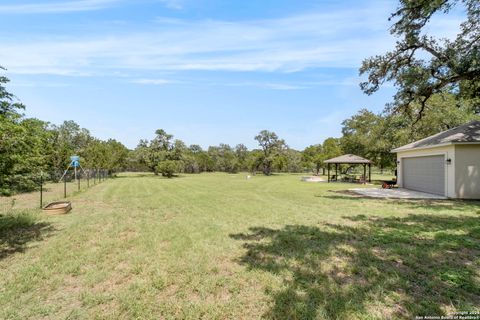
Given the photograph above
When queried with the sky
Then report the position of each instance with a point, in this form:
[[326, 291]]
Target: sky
[[206, 71]]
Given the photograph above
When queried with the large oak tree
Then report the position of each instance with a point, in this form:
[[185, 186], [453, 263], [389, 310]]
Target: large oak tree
[[422, 65]]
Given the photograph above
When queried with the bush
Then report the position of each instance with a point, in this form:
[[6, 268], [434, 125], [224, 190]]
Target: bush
[[5, 192], [14, 220], [167, 168], [19, 183]]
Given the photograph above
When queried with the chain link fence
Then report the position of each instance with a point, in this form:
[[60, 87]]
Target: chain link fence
[[49, 188]]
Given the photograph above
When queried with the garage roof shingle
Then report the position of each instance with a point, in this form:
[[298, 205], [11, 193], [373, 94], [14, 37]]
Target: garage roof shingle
[[464, 134]]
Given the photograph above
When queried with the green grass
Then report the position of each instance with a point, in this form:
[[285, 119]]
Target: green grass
[[218, 246]]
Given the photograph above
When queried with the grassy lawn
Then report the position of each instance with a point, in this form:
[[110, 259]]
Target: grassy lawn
[[218, 246]]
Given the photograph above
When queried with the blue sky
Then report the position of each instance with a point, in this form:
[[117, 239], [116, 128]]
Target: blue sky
[[207, 71]]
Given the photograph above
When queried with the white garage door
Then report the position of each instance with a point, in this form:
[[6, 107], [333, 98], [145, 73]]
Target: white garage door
[[425, 174]]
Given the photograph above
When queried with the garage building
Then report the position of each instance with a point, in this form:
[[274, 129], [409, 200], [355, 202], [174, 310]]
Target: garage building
[[447, 163]]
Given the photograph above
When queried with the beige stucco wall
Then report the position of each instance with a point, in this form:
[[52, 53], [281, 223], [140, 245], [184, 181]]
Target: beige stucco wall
[[467, 171], [447, 151]]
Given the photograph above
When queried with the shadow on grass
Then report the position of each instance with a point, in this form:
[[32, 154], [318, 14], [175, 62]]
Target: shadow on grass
[[380, 268], [134, 175], [447, 204], [151, 175], [18, 229]]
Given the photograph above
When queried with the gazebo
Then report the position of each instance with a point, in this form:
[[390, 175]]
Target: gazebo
[[352, 160]]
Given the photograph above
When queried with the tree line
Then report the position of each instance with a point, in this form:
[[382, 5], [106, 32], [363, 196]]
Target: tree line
[[168, 156]]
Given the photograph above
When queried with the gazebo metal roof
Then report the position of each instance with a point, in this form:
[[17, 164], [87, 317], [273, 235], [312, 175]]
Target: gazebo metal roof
[[348, 159]]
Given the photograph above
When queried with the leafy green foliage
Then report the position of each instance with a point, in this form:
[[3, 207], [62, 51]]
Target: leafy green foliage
[[225, 158], [8, 104], [167, 168], [313, 157], [163, 154], [272, 148], [193, 159], [364, 135], [22, 146], [420, 65]]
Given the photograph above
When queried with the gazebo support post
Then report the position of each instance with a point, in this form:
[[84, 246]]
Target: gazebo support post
[[370, 173], [336, 171], [364, 174], [328, 166]]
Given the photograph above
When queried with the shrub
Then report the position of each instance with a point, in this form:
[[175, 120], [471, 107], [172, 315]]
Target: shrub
[[14, 220], [167, 168]]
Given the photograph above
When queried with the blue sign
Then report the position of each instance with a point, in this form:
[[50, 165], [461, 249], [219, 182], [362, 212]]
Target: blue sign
[[75, 161]]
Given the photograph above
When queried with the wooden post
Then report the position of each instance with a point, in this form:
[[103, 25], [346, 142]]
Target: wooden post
[[336, 171], [78, 182], [88, 178], [364, 173], [328, 170], [64, 186]]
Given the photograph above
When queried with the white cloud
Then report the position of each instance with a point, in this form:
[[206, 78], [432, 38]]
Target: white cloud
[[39, 84], [56, 7], [71, 6], [153, 81], [323, 39], [283, 86], [264, 85]]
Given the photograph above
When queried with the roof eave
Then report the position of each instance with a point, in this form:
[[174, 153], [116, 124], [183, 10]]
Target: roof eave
[[396, 150]]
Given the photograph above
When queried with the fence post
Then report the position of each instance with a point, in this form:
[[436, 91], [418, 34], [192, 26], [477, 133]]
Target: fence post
[[88, 178], [65, 186], [41, 190]]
